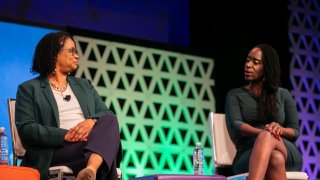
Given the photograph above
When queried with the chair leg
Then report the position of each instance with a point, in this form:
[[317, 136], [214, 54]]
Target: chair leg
[[60, 175]]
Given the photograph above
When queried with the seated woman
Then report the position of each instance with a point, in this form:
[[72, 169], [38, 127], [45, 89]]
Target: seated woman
[[61, 119], [262, 118]]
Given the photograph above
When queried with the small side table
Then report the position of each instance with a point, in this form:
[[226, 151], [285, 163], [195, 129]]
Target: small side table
[[179, 177]]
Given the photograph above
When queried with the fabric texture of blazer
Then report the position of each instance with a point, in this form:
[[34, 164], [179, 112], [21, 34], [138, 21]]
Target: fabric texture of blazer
[[37, 118]]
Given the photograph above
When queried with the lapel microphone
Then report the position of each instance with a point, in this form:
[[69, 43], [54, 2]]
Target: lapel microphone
[[67, 98]]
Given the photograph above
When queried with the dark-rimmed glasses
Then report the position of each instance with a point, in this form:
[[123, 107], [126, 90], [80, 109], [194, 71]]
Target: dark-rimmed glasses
[[72, 50]]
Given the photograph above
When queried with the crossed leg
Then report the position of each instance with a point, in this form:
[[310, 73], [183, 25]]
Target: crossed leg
[[267, 158], [89, 173]]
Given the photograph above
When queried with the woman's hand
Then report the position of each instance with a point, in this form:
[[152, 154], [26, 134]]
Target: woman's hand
[[275, 128], [80, 132]]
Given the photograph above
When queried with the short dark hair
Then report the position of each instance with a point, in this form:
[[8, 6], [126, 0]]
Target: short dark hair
[[268, 99], [46, 52]]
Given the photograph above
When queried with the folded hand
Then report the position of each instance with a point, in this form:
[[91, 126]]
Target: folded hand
[[275, 129], [80, 132]]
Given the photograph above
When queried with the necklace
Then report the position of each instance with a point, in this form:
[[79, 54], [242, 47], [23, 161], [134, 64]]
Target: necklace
[[58, 88], [66, 97]]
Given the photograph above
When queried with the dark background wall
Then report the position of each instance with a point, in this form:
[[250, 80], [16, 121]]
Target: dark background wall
[[227, 30], [157, 20], [222, 30]]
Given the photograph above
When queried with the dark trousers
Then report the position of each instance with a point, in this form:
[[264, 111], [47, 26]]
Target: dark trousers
[[104, 140]]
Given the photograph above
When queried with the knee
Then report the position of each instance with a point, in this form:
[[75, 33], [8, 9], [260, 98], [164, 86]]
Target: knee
[[264, 136], [109, 119], [276, 159]]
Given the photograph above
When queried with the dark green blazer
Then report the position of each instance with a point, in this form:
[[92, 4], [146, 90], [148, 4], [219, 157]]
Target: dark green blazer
[[37, 118]]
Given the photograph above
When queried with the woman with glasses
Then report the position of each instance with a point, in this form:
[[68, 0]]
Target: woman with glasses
[[262, 118], [61, 119]]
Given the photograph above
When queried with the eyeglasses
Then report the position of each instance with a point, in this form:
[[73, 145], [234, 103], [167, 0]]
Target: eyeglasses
[[254, 60], [72, 50]]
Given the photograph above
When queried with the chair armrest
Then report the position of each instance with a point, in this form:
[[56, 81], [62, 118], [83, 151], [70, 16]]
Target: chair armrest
[[63, 169]]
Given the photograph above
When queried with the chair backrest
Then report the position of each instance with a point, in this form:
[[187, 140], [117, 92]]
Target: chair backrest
[[18, 149], [223, 147]]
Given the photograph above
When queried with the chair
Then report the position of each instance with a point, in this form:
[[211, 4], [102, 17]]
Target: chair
[[56, 172], [224, 150]]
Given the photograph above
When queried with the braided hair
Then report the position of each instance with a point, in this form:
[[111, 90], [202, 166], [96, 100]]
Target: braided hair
[[268, 97], [46, 53]]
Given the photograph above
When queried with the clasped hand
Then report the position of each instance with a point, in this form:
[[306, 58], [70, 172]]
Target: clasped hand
[[80, 132], [275, 129]]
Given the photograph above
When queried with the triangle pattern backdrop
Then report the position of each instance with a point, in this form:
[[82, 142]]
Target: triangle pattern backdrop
[[304, 35], [162, 100]]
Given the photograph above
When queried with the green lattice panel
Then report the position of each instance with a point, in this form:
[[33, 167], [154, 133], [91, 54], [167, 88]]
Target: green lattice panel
[[161, 98]]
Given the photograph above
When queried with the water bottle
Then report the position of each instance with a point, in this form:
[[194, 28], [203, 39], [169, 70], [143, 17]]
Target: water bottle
[[198, 158], [4, 160]]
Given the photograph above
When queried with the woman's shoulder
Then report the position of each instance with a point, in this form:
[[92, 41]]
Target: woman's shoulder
[[238, 90], [283, 91], [31, 82]]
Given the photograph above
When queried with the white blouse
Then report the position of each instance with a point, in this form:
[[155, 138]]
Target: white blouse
[[70, 112]]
